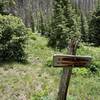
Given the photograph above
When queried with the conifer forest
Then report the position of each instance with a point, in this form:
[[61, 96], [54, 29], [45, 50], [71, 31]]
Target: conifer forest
[[49, 49]]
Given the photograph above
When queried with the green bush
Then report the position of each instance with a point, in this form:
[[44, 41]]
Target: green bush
[[94, 28], [12, 38], [49, 62]]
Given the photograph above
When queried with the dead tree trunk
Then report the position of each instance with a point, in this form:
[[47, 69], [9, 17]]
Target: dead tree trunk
[[66, 75]]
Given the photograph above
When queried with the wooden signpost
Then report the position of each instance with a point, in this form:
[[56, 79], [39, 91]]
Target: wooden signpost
[[68, 62], [71, 61]]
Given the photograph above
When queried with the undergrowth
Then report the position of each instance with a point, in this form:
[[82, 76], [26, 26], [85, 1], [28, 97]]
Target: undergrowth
[[38, 80]]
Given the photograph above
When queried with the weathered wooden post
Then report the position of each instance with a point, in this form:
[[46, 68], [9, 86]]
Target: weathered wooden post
[[68, 62], [66, 75]]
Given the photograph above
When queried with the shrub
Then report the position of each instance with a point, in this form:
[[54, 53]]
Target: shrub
[[12, 38], [94, 28], [49, 62]]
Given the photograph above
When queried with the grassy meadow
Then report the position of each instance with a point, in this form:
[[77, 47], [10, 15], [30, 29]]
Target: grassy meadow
[[38, 80]]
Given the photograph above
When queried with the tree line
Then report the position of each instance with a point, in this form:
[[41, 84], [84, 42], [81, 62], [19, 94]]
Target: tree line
[[33, 12], [67, 24], [39, 14]]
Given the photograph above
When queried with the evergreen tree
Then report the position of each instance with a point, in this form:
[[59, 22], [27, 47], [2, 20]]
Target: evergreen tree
[[84, 28], [57, 37], [94, 28], [33, 24], [41, 26], [71, 21], [64, 25]]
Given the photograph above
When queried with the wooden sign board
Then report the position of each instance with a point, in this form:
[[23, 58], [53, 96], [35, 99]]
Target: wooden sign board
[[71, 61]]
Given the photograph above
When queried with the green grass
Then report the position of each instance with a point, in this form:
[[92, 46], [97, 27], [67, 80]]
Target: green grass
[[36, 81]]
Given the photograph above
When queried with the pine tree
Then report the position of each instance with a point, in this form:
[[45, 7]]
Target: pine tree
[[57, 37], [41, 26], [71, 21], [64, 25], [33, 24], [94, 28], [84, 28]]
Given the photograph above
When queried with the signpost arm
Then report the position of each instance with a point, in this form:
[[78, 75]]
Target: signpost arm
[[66, 75]]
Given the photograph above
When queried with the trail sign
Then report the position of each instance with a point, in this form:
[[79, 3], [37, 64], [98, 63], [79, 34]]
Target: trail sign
[[71, 61], [68, 62]]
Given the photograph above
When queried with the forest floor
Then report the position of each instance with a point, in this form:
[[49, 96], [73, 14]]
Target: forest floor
[[36, 80]]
